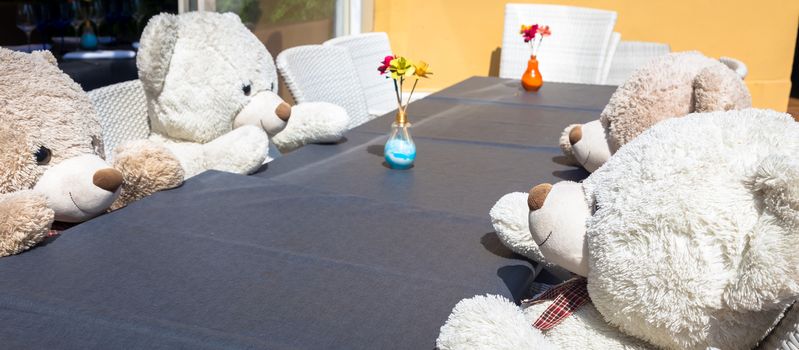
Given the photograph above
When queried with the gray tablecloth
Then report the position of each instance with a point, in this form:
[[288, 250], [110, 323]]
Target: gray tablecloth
[[325, 248]]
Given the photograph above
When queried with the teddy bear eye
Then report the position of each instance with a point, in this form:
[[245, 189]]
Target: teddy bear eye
[[272, 87], [43, 155], [246, 89]]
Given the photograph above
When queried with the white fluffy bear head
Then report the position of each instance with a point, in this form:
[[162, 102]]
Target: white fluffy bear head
[[688, 234], [203, 71], [50, 139], [670, 86]]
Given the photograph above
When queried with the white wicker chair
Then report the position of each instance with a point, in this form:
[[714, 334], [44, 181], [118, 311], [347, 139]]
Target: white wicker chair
[[575, 52], [629, 56], [615, 38], [367, 52], [324, 73], [784, 336], [122, 111]]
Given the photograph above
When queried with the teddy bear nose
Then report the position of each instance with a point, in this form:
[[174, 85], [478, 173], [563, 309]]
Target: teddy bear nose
[[283, 111], [537, 196], [107, 179], [575, 134]]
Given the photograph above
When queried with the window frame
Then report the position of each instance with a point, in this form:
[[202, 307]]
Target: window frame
[[346, 11]]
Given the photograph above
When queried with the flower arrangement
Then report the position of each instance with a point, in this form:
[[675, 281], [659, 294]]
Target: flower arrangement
[[534, 35], [398, 68]]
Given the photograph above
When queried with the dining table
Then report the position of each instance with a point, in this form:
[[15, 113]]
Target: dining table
[[325, 247]]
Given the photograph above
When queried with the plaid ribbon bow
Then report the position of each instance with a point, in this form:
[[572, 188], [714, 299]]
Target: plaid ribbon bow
[[567, 297]]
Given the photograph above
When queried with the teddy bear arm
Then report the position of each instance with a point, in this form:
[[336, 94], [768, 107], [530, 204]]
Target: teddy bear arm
[[312, 122], [147, 167], [242, 150], [490, 322], [25, 221]]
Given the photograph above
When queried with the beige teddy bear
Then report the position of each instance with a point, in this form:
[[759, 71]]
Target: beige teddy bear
[[670, 86], [51, 149]]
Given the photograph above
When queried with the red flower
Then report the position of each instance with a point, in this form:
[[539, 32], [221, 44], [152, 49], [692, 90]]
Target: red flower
[[528, 33], [384, 65]]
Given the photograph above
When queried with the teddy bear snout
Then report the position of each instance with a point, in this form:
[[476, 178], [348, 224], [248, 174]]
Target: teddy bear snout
[[575, 134], [537, 196], [108, 179], [283, 111]]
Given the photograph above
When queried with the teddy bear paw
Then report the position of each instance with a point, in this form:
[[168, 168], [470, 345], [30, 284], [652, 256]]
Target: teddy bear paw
[[312, 122], [25, 221], [489, 322], [146, 167]]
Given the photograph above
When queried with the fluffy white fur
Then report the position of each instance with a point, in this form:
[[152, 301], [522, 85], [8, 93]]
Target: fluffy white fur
[[204, 75], [692, 235], [494, 322], [489, 322], [712, 263]]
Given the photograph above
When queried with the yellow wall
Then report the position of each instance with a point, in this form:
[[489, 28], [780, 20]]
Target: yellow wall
[[457, 37]]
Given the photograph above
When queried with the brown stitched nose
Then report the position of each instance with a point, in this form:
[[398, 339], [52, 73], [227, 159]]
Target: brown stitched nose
[[537, 196], [283, 111], [107, 179], [575, 134]]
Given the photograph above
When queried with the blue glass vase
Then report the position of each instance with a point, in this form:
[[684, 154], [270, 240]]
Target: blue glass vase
[[88, 40], [400, 151]]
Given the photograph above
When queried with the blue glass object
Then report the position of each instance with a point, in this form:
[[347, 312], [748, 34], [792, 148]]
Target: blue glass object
[[88, 40], [400, 151]]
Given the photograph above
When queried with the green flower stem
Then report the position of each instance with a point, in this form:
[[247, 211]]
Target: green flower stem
[[411, 95], [396, 92]]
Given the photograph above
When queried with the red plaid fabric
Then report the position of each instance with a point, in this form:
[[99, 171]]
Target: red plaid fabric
[[567, 297]]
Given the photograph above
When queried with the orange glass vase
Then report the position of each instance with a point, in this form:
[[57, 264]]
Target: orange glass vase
[[531, 80]]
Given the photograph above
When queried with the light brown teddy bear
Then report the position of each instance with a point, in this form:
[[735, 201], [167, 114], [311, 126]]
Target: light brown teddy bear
[[51, 165], [670, 86]]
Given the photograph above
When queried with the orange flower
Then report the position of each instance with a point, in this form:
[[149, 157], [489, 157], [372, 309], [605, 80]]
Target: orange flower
[[544, 31]]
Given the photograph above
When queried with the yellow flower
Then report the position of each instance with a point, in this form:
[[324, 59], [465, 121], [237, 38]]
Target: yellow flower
[[422, 69], [400, 67], [524, 29]]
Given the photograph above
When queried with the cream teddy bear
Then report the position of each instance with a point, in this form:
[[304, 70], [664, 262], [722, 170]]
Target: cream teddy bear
[[670, 86], [687, 237], [211, 95]]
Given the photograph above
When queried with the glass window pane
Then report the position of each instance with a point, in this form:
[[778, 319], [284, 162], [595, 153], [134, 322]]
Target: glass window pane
[[281, 24]]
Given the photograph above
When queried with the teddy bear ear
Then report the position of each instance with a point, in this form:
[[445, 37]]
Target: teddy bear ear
[[231, 15], [155, 51], [777, 183], [45, 55], [718, 88]]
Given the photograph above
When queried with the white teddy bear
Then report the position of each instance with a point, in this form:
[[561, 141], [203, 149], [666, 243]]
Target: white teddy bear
[[210, 86], [670, 86], [687, 237]]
